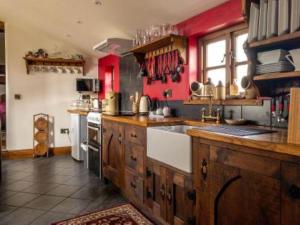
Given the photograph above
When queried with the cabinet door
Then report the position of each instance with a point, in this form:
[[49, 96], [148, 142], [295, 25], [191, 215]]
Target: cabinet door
[[244, 189], [290, 194], [113, 154], [201, 171], [155, 190], [180, 199]]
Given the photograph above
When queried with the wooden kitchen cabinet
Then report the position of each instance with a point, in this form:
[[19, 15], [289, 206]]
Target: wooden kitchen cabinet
[[113, 152], [135, 153], [290, 193], [169, 194], [234, 187]]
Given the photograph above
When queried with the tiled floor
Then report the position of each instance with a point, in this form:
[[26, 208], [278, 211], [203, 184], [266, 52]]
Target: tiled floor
[[45, 190]]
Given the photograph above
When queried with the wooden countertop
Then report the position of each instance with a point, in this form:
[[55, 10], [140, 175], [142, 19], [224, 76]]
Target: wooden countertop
[[78, 111], [274, 142], [144, 121]]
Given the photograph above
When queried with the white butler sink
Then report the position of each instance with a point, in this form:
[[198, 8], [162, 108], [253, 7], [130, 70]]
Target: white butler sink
[[170, 145]]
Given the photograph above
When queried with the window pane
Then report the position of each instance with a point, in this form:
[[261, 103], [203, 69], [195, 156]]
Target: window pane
[[215, 53], [217, 75], [241, 71], [239, 50]]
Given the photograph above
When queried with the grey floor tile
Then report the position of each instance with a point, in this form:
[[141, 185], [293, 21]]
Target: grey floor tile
[[16, 174], [21, 216], [19, 185], [19, 199], [6, 194], [44, 202], [57, 179], [40, 188], [26, 184], [5, 210], [88, 193], [63, 190], [73, 206], [51, 217]]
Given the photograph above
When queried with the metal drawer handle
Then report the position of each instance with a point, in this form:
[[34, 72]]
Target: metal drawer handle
[[294, 192], [133, 135], [169, 197], [120, 139], [133, 158], [132, 185], [148, 172], [204, 169], [149, 193], [162, 192]]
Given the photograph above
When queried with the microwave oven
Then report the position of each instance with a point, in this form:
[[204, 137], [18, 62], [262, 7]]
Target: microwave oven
[[87, 85]]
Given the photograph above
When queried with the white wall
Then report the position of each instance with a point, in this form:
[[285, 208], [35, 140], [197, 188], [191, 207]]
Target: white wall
[[41, 92]]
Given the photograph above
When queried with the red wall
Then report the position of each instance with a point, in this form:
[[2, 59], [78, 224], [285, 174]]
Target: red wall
[[105, 67], [222, 16]]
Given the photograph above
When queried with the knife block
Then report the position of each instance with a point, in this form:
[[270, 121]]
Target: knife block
[[294, 118]]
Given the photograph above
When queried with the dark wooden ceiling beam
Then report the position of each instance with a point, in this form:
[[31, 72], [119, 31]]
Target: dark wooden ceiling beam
[[1, 26]]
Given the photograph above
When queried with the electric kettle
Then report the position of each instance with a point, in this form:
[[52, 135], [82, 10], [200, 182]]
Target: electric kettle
[[144, 104]]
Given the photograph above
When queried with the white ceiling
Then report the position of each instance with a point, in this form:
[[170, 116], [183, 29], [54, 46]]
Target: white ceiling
[[114, 18]]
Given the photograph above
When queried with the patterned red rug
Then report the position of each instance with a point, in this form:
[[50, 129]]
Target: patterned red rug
[[120, 215]]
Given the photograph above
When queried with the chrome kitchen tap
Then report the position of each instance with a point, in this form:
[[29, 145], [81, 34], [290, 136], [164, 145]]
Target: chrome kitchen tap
[[210, 116]]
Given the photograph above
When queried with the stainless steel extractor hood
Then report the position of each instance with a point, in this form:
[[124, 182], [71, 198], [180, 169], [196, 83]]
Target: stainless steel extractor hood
[[116, 46]]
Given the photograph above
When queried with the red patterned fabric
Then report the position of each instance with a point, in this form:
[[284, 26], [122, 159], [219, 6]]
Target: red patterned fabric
[[121, 215]]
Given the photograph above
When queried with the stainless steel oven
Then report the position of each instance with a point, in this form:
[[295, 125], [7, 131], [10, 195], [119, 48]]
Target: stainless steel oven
[[94, 134], [94, 143]]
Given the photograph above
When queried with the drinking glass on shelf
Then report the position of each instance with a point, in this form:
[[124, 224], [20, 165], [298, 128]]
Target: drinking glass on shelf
[[155, 32], [164, 29], [174, 30]]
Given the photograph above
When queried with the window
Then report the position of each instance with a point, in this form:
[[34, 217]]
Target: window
[[223, 56], [240, 59]]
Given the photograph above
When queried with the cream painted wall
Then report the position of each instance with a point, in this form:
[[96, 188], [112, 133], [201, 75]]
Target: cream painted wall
[[2, 49], [41, 92]]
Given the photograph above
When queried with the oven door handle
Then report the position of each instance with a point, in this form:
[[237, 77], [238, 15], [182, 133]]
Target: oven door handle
[[94, 128], [93, 148]]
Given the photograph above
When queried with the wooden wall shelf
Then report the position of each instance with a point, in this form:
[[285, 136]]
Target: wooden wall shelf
[[30, 61], [171, 42], [276, 76], [278, 40], [228, 102]]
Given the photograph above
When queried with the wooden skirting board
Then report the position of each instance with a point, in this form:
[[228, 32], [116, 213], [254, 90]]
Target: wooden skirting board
[[28, 153]]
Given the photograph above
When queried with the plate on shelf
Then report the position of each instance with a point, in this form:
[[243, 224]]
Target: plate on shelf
[[295, 15], [283, 17]]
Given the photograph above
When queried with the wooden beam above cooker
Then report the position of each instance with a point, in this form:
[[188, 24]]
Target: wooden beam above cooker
[[1, 26]]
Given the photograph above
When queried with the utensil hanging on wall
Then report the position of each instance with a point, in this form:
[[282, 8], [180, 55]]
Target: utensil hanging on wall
[[164, 74]]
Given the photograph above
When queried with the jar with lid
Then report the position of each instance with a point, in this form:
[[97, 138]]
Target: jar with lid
[[220, 91], [208, 88]]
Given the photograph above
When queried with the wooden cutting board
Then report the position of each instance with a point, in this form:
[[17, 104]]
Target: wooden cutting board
[[294, 118]]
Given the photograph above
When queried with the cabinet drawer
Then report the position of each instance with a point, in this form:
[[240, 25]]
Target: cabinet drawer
[[134, 186], [258, 164], [134, 157], [135, 135]]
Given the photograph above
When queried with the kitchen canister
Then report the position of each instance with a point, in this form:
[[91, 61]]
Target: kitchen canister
[[208, 88], [220, 92]]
